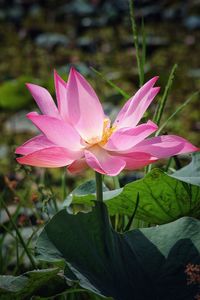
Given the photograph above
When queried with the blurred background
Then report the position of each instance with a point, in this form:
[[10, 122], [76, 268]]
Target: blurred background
[[39, 36]]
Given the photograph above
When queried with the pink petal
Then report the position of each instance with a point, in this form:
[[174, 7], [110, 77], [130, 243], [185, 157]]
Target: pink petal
[[49, 157], [101, 161], [43, 100], [165, 146], [34, 144], [57, 131], [77, 166], [138, 160], [61, 95], [133, 110], [126, 138], [84, 109]]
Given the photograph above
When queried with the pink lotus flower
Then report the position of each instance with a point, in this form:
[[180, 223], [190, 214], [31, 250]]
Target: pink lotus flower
[[77, 134]]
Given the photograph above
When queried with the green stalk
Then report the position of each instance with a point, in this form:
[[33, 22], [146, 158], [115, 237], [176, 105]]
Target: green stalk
[[64, 187], [128, 226], [143, 59], [176, 112], [160, 110], [117, 216], [168, 164], [114, 86], [136, 43], [19, 235], [161, 106], [17, 251], [99, 187], [116, 182], [23, 252]]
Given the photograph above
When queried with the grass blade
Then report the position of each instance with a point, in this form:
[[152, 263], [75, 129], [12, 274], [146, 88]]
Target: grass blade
[[143, 52], [136, 43], [19, 235], [176, 112], [114, 86], [161, 105]]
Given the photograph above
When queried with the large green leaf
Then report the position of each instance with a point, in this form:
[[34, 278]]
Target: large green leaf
[[86, 189], [44, 283], [140, 264], [191, 172], [162, 199]]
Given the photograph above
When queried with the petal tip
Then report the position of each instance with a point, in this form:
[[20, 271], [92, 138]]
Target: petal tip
[[154, 79], [152, 124], [157, 89], [32, 114], [58, 78], [17, 150], [19, 160], [74, 72], [196, 149], [73, 69], [55, 73], [29, 85]]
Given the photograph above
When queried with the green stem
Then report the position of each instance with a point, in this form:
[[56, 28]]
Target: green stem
[[168, 164], [148, 169], [64, 187], [162, 104], [128, 226], [114, 86], [99, 187], [176, 112], [117, 216], [19, 235], [16, 269], [116, 182], [136, 42]]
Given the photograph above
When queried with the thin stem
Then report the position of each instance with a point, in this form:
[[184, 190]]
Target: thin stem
[[19, 235], [114, 86], [99, 187], [23, 252], [136, 43], [64, 187], [168, 164], [143, 59], [55, 204], [176, 112], [17, 251], [148, 169], [128, 226], [116, 182], [162, 104], [116, 186]]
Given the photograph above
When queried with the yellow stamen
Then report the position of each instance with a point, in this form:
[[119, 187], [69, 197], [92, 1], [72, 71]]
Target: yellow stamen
[[107, 132]]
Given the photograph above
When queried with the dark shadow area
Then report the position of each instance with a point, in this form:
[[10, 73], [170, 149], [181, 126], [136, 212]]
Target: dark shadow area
[[140, 264]]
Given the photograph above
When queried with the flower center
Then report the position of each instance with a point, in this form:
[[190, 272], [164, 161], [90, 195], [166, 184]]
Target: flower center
[[107, 132]]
